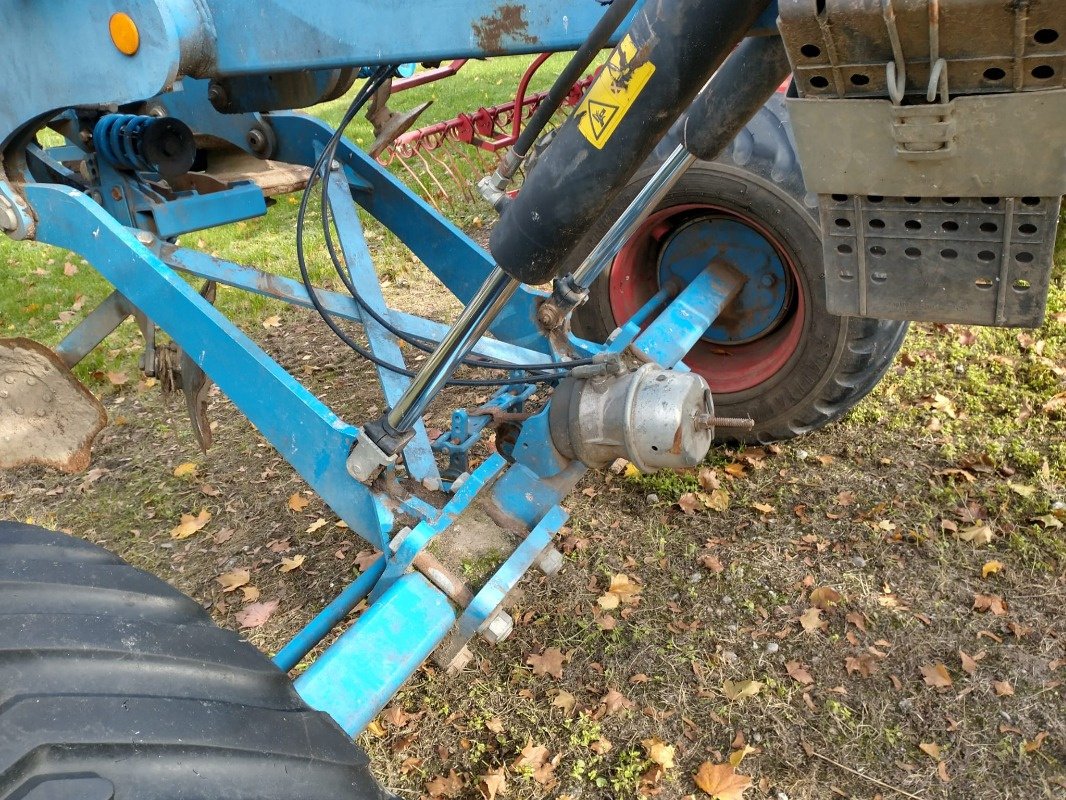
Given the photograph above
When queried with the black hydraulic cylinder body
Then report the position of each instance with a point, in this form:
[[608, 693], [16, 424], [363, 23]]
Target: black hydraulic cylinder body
[[667, 55]]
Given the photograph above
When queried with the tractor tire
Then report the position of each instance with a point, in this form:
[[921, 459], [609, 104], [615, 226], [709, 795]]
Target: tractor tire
[[811, 367], [115, 686]]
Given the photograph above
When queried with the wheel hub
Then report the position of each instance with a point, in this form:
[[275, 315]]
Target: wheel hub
[[763, 301]]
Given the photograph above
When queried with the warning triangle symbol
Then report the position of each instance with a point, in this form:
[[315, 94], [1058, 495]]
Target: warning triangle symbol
[[600, 116]]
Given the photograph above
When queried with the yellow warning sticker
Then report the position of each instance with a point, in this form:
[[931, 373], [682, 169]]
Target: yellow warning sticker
[[618, 86]]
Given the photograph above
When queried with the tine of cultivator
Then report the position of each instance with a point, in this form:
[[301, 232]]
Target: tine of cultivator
[[445, 160]]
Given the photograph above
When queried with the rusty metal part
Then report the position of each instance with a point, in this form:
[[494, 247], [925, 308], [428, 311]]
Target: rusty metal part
[[506, 23], [47, 416], [389, 124], [440, 576]]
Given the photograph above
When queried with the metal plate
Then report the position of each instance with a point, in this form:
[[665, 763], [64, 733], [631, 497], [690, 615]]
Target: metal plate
[[46, 416], [840, 48], [1005, 145], [978, 261]]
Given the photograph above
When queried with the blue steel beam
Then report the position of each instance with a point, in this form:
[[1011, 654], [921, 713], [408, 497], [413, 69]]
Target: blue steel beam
[[456, 259], [358, 674], [417, 455], [239, 276], [310, 436], [91, 331]]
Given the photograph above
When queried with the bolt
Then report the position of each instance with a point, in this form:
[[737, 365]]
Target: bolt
[[708, 421], [257, 140], [217, 95], [766, 281], [550, 562], [145, 237], [498, 628], [116, 193], [8, 218]]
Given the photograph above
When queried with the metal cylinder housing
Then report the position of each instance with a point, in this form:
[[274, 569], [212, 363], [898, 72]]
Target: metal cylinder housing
[[652, 417]]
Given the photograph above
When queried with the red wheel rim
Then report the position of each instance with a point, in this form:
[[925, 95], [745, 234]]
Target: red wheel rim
[[634, 279]]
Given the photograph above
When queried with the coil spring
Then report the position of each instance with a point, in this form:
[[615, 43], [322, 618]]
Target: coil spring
[[118, 139]]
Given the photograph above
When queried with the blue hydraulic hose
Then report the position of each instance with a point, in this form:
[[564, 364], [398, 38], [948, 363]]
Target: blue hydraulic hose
[[318, 628]]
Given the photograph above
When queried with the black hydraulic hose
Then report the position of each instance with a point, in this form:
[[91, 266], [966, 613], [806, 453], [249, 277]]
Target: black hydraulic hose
[[757, 66], [597, 40]]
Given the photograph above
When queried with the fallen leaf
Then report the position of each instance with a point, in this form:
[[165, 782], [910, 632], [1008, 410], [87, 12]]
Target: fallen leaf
[[185, 470], [492, 783], [721, 781], [251, 594], [255, 614], [936, 675], [70, 270], [712, 563], [495, 725], [376, 729], [739, 755], [990, 602], [1036, 743], [1003, 688], [273, 321], [289, 564], [864, 664], [931, 749], [660, 752], [825, 598], [298, 503], [969, 665], [190, 524], [991, 568], [1021, 490], [622, 590], [550, 662], [442, 786], [763, 508], [716, 500], [615, 701], [317, 524], [858, 619], [798, 672], [688, 502], [811, 620], [977, 535], [118, 378], [736, 690], [942, 772], [565, 701], [532, 756], [232, 581], [1048, 521]]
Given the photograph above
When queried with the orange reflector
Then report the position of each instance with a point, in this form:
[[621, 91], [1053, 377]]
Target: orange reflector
[[124, 33]]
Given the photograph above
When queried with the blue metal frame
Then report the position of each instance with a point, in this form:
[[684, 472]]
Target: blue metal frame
[[122, 224]]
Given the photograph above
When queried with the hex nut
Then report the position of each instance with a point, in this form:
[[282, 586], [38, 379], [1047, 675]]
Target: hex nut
[[8, 217], [498, 628], [550, 562]]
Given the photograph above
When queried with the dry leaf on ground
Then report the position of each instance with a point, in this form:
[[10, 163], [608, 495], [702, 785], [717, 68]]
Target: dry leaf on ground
[[550, 662], [736, 690], [298, 502], [190, 525], [185, 470], [936, 675], [289, 564], [232, 581], [721, 781], [799, 673], [255, 614], [660, 752]]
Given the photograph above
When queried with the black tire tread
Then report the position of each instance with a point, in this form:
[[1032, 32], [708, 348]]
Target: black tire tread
[[114, 684]]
